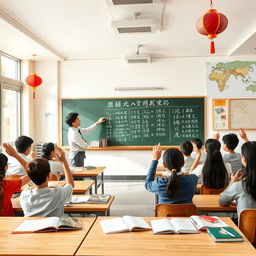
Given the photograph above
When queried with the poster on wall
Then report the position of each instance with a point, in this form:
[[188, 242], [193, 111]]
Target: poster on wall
[[231, 79], [220, 114]]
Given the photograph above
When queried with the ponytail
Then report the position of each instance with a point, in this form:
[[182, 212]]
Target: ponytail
[[173, 160]]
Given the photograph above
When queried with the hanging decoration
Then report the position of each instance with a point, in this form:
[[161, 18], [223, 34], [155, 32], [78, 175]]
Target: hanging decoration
[[211, 24], [33, 80]]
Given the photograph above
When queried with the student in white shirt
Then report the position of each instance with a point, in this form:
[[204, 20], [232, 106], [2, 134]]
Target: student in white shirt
[[77, 143], [214, 173], [230, 142], [23, 147], [43, 200], [48, 152], [198, 145], [186, 148]]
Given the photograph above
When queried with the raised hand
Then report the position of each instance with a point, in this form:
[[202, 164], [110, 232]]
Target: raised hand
[[157, 152], [243, 134], [10, 150]]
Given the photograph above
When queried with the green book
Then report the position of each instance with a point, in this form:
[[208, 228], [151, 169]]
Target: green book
[[90, 167], [225, 234]]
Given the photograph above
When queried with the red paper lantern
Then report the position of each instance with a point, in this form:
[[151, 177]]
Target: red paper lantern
[[211, 24], [34, 81]]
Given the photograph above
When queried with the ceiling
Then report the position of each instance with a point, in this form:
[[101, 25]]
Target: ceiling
[[81, 29]]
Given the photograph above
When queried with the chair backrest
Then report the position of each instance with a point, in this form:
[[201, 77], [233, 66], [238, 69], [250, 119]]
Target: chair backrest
[[12, 177], [211, 191], [247, 224], [53, 177], [171, 210]]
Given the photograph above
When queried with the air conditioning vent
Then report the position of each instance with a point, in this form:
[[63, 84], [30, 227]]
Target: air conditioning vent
[[134, 26], [140, 58], [126, 2]]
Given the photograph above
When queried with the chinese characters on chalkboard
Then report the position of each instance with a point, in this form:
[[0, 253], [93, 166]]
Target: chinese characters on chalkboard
[[149, 119]]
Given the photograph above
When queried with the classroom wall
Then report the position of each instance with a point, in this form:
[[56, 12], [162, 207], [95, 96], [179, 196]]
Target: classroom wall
[[98, 78]]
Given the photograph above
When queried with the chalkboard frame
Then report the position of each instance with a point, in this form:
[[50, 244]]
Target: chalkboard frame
[[123, 147]]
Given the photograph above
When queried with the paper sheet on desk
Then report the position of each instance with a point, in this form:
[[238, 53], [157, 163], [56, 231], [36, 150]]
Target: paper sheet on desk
[[77, 169]]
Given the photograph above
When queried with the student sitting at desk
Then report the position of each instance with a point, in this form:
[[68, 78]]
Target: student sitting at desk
[[48, 152], [213, 172], [45, 201], [186, 148], [198, 146], [23, 147], [9, 187], [176, 188], [242, 187]]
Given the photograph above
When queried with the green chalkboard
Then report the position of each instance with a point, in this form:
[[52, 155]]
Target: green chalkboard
[[139, 121]]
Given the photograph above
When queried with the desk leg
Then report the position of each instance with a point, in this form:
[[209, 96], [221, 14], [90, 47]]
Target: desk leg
[[96, 185], [102, 182], [156, 199]]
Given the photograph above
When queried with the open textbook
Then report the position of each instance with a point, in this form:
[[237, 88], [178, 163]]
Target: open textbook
[[90, 199], [123, 224], [184, 225], [48, 224]]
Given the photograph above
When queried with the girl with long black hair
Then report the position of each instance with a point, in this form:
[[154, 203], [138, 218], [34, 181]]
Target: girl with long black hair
[[176, 188], [242, 187]]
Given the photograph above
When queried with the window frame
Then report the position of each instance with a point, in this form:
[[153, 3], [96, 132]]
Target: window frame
[[14, 85]]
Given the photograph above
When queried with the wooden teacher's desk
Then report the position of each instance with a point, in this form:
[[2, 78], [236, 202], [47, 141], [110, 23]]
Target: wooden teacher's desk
[[81, 186], [35, 244], [145, 243], [98, 209], [93, 174]]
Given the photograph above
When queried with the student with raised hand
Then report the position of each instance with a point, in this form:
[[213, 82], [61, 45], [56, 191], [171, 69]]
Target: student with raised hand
[[23, 147], [76, 141], [48, 152], [175, 188], [198, 146], [9, 187], [242, 187], [186, 148], [45, 201], [214, 173], [230, 142]]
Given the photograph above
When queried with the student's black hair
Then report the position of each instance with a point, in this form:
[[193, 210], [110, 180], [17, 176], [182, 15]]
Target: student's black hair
[[38, 170], [3, 163], [249, 181], [47, 149], [173, 159], [214, 172], [186, 147], [70, 118], [198, 142], [22, 143], [231, 140]]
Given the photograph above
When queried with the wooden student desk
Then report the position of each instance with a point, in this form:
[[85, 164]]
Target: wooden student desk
[[98, 209], [92, 174], [211, 203], [35, 244], [144, 243], [81, 186]]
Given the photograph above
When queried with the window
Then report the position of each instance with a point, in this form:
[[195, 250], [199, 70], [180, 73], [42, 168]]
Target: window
[[10, 87], [10, 67]]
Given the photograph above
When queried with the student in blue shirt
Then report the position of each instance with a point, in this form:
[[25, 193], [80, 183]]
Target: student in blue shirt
[[176, 188]]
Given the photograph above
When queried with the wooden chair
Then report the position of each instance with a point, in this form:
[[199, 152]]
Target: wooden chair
[[211, 191], [179, 210], [53, 177], [247, 224], [12, 177]]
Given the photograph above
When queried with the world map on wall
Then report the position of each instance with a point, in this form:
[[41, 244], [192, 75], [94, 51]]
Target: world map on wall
[[231, 79]]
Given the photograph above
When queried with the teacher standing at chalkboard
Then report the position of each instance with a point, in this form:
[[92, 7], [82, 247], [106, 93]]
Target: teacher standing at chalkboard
[[76, 141]]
